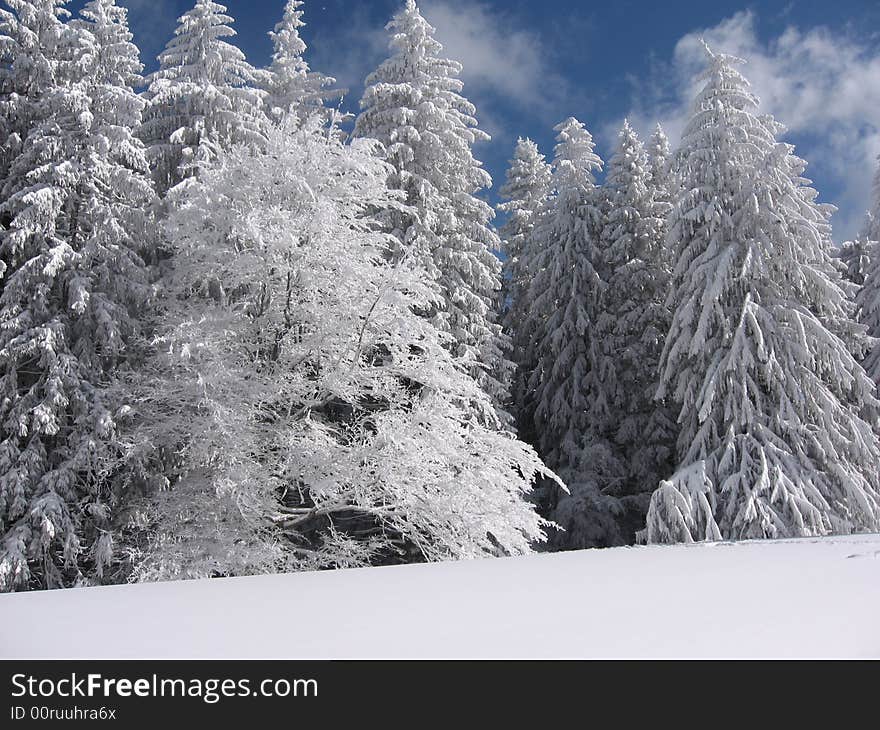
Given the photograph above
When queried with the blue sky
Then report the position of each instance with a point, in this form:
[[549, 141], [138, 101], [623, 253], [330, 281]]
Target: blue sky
[[528, 65]]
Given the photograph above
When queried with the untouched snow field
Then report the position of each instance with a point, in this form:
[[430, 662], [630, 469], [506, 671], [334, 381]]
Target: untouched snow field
[[799, 598]]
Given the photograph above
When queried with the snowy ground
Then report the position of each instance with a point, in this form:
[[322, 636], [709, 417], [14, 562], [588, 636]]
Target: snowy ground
[[808, 598]]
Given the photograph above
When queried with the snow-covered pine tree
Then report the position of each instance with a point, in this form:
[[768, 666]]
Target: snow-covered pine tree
[[75, 197], [855, 258], [855, 255], [659, 161], [564, 301], [202, 98], [112, 68], [527, 192], [26, 71], [633, 325], [413, 105], [565, 285], [289, 82], [333, 428], [773, 405], [36, 52], [861, 261], [868, 300], [872, 224]]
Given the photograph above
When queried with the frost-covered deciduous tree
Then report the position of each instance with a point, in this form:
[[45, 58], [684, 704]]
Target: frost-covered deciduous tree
[[413, 105], [319, 418], [564, 301], [290, 83], [633, 324], [76, 199], [528, 193], [203, 97], [776, 414]]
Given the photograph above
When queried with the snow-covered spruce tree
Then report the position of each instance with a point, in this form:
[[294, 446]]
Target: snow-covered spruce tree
[[659, 162], [861, 259], [72, 288], [290, 83], [564, 301], [27, 69], [323, 422], [868, 301], [856, 256], [773, 406], [632, 327], [872, 224], [413, 106], [527, 192], [202, 98], [112, 68], [855, 259]]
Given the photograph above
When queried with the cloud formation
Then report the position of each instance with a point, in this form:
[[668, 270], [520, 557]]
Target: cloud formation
[[824, 86], [349, 51], [502, 60]]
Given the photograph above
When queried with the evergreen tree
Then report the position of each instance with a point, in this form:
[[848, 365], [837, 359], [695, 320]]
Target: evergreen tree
[[73, 284], [414, 107], [868, 300], [633, 325], [290, 83], [528, 194], [872, 225], [112, 68], [774, 438], [659, 161], [564, 292], [564, 301], [202, 99], [30, 33], [333, 429], [855, 258]]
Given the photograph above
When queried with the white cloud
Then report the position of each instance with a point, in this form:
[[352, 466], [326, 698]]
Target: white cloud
[[348, 51], [823, 85], [500, 59]]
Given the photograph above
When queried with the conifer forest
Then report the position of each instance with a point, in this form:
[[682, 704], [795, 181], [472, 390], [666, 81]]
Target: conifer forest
[[246, 331]]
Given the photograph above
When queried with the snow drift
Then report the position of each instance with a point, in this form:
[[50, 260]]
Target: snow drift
[[798, 598]]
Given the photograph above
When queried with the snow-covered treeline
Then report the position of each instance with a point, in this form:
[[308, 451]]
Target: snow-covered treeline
[[692, 357], [237, 338]]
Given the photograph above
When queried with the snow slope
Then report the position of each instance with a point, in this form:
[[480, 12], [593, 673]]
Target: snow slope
[[799, 598]]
